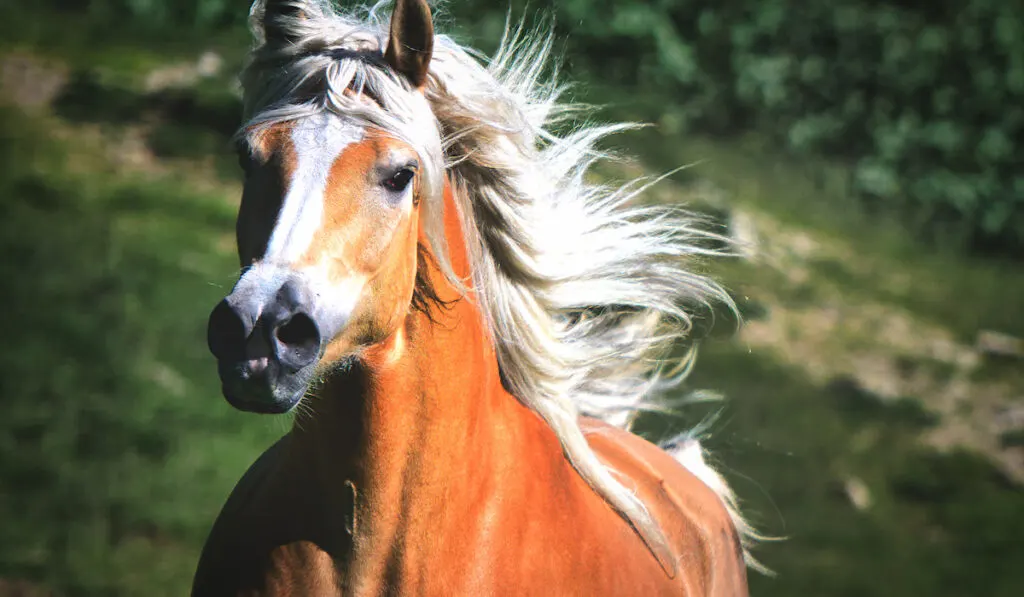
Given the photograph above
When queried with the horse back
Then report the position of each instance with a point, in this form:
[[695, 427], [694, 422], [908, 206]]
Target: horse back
[[692, 516]]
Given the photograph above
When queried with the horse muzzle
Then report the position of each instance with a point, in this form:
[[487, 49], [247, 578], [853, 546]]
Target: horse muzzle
[[267, 344]]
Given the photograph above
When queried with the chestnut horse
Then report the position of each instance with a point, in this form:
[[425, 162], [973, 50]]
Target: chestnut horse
[[464, 326]]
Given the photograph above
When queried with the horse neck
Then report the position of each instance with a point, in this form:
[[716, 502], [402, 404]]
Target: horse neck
[[419, 419]]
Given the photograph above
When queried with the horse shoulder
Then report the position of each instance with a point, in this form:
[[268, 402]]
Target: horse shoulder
[[220, 552], [693, 517], [252, 548]]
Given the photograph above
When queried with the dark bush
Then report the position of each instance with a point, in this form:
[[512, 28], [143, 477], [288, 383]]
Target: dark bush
[[158, 14], [927, 104]]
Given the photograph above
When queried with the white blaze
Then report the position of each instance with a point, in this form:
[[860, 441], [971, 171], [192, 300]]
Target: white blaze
[[318, 141]]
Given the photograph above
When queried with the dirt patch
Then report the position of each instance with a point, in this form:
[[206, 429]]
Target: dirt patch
[[184, 74], [33, 82], [29, 82], [893, 356], [888, 351]]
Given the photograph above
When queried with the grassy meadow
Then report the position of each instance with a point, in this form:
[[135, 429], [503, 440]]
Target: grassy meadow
[[862, 424]]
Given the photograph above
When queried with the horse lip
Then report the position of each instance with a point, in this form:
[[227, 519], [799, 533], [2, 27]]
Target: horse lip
[[261, 386], [259, 407]]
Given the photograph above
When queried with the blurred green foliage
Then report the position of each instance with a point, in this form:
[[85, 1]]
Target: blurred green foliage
[[925, 102], [110, 403]]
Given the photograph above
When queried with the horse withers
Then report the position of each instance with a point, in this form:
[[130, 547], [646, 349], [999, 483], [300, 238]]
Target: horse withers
[[464, 326]]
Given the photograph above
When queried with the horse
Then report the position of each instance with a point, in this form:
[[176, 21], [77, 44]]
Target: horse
[[463, 323]]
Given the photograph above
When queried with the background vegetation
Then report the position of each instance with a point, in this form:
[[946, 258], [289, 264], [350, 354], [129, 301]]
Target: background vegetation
[[870, 149], [924, 101]]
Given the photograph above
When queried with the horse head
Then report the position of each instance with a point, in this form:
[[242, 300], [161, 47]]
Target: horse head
[[328, 229]]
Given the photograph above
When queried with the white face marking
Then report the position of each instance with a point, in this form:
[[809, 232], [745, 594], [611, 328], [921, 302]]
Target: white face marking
[[318, 141], [331, 305]]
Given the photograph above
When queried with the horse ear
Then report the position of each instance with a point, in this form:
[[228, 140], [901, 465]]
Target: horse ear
[[412, 41], [277, 19]]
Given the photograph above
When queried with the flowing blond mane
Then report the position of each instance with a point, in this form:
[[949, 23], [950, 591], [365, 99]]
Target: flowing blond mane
[[584, 290]]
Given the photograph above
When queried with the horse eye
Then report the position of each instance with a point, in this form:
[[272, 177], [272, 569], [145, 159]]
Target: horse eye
[[399, 180]]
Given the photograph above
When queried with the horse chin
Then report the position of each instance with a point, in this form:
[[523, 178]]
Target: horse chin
[[274, 392], [274, 407]]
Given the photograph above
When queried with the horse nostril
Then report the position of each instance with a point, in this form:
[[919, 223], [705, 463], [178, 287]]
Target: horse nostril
[[226, 332], [300, 329], [298, 341]]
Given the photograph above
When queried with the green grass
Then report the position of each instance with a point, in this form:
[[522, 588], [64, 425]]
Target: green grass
[[116, 448]]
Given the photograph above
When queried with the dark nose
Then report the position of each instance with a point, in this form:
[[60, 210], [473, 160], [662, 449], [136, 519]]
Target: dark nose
[[240, 332]]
